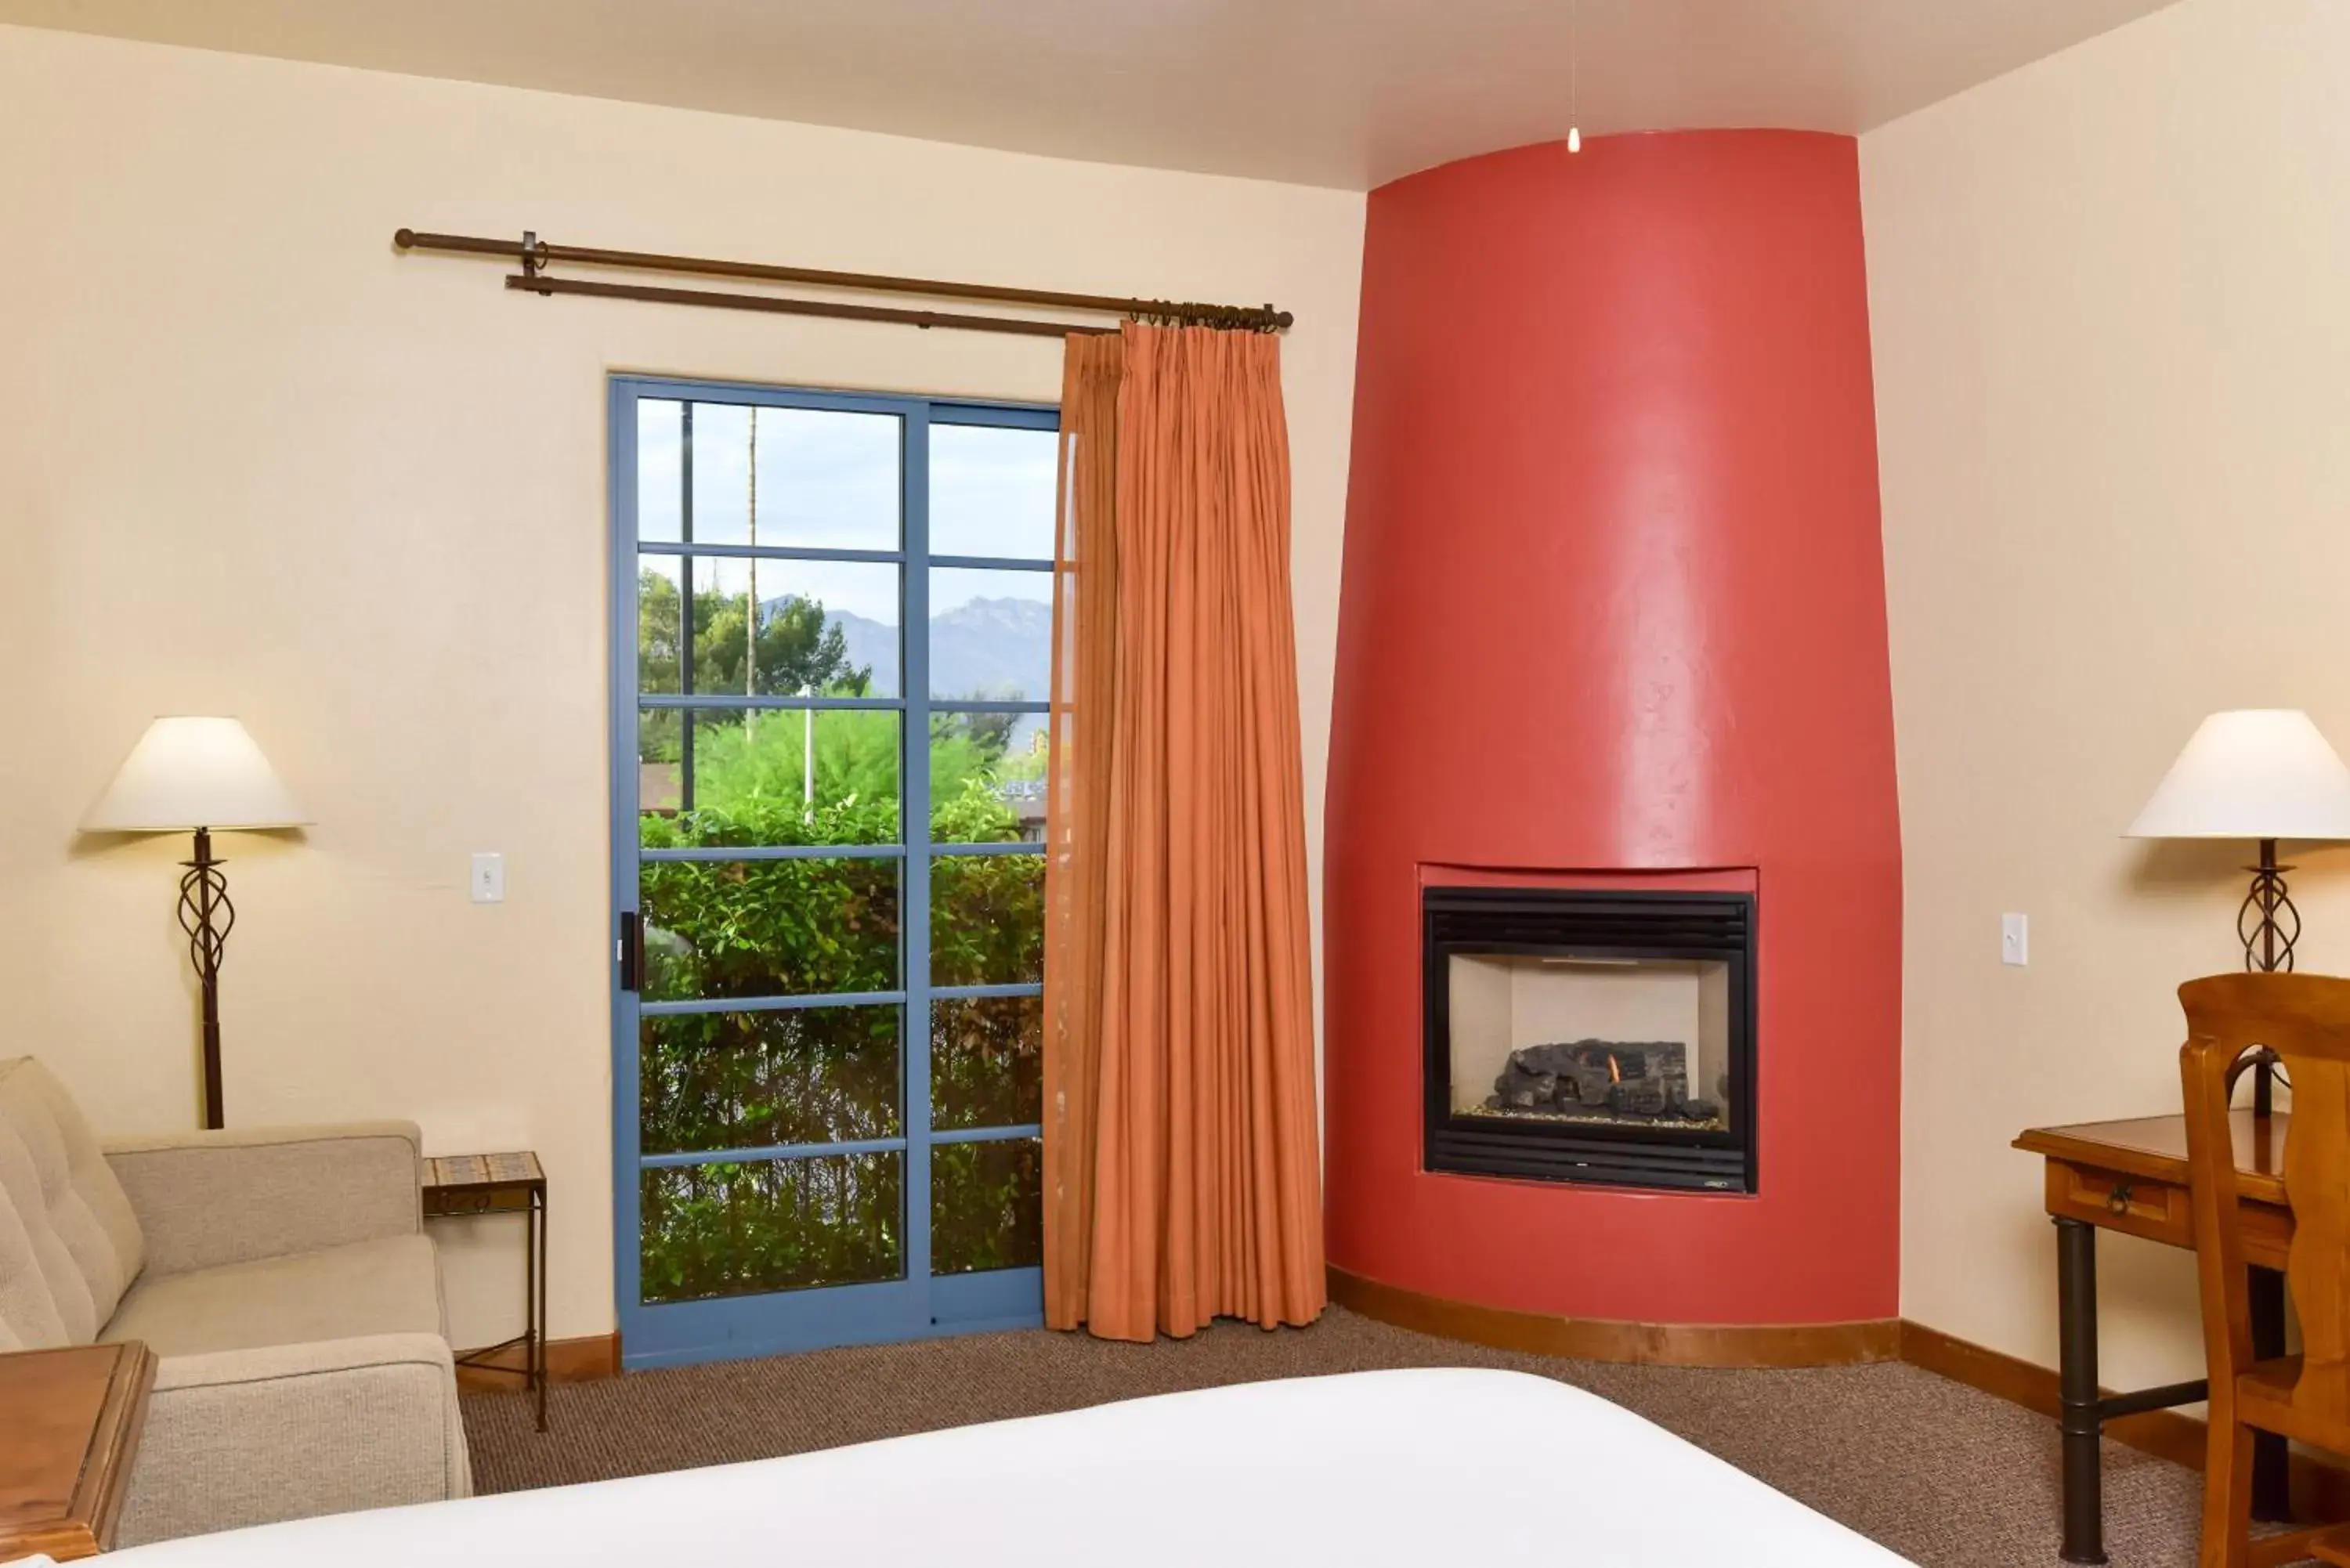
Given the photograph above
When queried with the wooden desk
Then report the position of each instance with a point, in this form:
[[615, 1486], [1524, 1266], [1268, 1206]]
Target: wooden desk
[[2131, 1177], [73, 1418]]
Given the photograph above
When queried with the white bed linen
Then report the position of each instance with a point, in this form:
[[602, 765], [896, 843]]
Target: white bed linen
[[1413, 1470]]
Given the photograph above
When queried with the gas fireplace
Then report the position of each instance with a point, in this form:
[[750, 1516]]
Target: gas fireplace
[[1590, 1036]]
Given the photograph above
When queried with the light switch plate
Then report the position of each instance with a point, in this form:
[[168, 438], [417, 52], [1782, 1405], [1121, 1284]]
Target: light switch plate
[[489, 877], [2015, 939]]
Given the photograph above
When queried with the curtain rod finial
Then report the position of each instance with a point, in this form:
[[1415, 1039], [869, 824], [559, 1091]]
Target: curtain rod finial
[[404, 238]]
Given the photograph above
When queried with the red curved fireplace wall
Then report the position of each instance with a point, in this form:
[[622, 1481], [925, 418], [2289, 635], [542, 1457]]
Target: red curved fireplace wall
[[1614, 602]]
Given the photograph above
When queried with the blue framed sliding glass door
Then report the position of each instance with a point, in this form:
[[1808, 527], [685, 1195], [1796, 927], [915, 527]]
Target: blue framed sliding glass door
[[832, 651]]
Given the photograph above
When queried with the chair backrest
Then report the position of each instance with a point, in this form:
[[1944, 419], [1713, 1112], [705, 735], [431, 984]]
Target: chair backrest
[[69, 1245], [2305, 1020]]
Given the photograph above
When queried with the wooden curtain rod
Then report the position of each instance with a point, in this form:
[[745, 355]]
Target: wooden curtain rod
[[534, 254]]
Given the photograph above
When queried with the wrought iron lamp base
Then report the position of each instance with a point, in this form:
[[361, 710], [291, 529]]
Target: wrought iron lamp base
[[2267, 925], [207, 915]]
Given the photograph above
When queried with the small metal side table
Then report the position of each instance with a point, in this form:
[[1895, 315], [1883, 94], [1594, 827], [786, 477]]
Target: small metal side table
[[462, 1185]]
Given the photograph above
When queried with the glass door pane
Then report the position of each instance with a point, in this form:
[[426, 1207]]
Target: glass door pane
[[987, 1209], [712, 1080], [733, 1228], [990, 588]]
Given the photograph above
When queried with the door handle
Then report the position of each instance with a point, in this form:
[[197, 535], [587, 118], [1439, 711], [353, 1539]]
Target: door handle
[[631, 951]]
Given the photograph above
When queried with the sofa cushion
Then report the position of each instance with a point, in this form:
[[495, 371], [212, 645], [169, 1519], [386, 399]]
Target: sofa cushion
[[387, 1286], [69, 1245]]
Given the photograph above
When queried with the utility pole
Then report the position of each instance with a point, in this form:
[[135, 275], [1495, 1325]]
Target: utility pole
[[751, 620]]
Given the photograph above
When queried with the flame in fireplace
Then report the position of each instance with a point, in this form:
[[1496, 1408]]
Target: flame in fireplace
[[1614, 1069]]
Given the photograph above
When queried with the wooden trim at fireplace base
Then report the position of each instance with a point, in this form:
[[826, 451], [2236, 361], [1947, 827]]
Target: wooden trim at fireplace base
[[581, 1360], [1604, 1339]]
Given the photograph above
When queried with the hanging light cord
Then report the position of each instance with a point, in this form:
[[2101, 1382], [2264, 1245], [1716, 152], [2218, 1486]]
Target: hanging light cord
[[1573, 76]]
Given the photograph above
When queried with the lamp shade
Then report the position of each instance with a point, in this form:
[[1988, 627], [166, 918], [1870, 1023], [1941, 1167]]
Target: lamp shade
[[194, 772], [2253, 773]]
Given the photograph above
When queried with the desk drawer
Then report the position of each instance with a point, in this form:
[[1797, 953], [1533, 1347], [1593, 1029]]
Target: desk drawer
[[2136, 1205]]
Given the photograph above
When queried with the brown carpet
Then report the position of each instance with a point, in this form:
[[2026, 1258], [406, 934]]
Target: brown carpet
[[1940, 1473]]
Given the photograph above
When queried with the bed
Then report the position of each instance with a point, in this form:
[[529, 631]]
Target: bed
[[1411, 1469]]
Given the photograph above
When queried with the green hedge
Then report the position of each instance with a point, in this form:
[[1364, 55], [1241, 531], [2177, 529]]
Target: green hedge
[[814, 925]]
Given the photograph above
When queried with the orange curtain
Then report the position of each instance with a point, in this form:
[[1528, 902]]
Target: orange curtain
[[1181, 1176]]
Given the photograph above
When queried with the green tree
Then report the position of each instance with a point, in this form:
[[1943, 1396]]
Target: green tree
[[799, 650], [990, 734], [737, 764]]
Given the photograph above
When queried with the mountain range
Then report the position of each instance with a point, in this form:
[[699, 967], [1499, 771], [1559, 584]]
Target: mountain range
[[995, 650]]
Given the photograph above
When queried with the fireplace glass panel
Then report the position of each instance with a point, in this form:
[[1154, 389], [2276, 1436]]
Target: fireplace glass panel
[[1617, 1041]]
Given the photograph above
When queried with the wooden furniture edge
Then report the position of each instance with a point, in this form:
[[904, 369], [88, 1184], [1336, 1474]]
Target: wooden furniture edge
[[116, 1443], [2078, 1145], [581, 1360], [1607, 1339], [2319, 1488], [2049, 1144], [94, 1506]]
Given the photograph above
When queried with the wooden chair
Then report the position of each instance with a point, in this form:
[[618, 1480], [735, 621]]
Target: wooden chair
[[2305, 1019]]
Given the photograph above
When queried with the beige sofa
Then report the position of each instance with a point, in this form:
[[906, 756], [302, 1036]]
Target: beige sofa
[[281, 1276]]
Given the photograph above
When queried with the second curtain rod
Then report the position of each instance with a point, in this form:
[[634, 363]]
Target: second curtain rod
[[534, 254]]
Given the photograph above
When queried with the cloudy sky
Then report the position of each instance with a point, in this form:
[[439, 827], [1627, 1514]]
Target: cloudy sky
[[829, 480]]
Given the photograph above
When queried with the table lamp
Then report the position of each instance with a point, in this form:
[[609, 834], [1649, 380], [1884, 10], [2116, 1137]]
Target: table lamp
[[2262, 773], [189, 774]]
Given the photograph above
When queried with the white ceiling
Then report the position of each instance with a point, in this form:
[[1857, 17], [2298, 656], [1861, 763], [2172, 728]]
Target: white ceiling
[[1329, 92]]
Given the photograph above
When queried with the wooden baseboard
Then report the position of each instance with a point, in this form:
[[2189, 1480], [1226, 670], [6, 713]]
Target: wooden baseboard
[[1602, 1339], [2319, 1489], [581, 1360], [2174, 1437]]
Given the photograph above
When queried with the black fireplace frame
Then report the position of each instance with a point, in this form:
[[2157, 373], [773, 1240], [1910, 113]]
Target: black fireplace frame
[[1598, 923]]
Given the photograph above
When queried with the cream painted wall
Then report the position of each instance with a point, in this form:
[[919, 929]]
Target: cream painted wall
[[253, 460], [2113, 369]]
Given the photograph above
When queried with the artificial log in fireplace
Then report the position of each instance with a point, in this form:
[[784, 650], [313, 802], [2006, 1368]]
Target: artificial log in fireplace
[[1600, 1035]]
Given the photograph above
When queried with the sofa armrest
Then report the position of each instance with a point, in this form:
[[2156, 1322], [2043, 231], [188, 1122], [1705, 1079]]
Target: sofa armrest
[[210, 1197], [251, 1436]]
